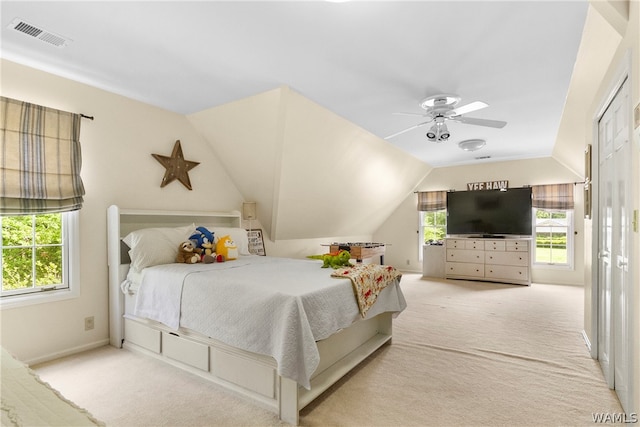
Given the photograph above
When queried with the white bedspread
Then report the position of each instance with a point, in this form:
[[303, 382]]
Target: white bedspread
[[273, 306]]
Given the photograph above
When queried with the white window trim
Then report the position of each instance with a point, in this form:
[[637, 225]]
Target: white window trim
[[421, 227], [72, 224], [570, 245]]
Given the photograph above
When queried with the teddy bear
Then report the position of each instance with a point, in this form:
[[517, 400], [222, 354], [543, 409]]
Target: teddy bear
[[227, 248], [187, 253]]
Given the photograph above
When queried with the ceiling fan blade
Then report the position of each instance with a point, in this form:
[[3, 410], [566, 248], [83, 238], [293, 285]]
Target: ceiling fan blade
[[467, 108], [408, 129], [480, 122], [402, 113]]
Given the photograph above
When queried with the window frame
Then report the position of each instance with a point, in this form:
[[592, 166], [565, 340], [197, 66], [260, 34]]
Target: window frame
[[569, 265], [422, 227], [71, 270]]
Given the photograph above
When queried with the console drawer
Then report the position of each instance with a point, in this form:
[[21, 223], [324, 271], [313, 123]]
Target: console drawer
[[518, 245], [494, 245], [507, 272], [507, 258], [459, 255], [464, 269]]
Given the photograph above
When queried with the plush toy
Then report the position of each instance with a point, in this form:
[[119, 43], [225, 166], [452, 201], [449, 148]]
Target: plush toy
[[187, 253], [227, 248], [204, 239], [334, 259]]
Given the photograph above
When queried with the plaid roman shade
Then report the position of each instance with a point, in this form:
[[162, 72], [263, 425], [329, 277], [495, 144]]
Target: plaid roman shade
[[429, 201], [40, 159], [554, 196]]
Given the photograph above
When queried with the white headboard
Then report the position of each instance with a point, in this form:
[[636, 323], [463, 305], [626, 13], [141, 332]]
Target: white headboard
[[121, 222]]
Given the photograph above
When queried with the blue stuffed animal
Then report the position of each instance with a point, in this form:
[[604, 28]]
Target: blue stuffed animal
[[204, 239]]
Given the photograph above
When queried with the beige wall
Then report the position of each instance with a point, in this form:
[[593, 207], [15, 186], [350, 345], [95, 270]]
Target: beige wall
[[117, 169]]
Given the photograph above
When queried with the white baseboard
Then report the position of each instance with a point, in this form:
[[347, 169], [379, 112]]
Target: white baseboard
[[67, 352]]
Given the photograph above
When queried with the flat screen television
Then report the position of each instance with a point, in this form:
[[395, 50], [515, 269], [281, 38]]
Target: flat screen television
[[489, 213]]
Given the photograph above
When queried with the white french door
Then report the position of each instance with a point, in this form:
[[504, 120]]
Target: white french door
[[614, 238]]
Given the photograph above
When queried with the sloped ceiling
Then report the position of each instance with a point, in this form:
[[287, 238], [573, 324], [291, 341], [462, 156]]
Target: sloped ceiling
[[363, 60], [599, 42], [312, 173]]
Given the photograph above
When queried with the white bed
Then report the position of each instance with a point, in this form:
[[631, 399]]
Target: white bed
[[276, 330]]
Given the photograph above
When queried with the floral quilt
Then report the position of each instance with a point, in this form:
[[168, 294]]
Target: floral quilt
[[368, 280]]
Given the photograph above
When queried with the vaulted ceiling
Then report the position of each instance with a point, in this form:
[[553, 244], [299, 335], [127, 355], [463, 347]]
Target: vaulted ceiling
[[297, 98], [363, 60]]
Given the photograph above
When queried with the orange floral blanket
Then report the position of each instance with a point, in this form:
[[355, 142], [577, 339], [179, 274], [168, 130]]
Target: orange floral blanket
[[368, 280]]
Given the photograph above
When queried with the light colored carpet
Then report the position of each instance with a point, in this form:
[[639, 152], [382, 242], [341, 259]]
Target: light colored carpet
[[463, 354]]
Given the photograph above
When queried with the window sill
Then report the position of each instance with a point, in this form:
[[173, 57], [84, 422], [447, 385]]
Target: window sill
[[542, 266], [9, 302]]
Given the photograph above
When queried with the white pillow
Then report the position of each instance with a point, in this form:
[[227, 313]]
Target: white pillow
[[238, 235], [154, 246]]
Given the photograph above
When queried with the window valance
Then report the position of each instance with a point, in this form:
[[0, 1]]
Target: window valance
[[554, 196], [429, 201], [40, 159]]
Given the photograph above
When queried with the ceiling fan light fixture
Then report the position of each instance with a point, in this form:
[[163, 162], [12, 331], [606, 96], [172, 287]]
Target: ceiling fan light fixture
[[444, 132], [472, 144], [438, 133]]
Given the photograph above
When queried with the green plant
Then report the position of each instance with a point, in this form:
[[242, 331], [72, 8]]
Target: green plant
[[31, 251]]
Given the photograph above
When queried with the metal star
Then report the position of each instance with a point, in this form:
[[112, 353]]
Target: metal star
[[177, 167]]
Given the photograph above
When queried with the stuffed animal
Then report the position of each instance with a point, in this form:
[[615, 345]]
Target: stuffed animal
[[334, 260], [187, 253], [227, 248], [203, 240]]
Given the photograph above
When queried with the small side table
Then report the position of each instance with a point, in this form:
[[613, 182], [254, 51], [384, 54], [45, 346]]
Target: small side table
[[433, 261], [361, 250]]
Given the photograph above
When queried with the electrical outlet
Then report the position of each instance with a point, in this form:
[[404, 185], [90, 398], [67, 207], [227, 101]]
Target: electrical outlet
[[88, 323]]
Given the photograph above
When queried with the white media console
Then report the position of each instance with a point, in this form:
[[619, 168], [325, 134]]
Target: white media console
[[505, 260]]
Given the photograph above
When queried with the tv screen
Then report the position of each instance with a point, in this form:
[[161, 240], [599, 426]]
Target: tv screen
[[490, 212]]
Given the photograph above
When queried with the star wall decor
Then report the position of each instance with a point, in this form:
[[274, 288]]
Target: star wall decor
[[177, 167]]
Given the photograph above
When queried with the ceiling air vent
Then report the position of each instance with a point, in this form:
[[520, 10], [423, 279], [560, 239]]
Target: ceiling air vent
[[39, 33]]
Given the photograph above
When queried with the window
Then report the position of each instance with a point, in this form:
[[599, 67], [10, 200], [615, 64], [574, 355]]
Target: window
[[38, 257], [553, 236], [434, 226]]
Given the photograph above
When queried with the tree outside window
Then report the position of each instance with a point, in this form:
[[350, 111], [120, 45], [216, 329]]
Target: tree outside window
[[434, 226], [32, 253], [553, 238]]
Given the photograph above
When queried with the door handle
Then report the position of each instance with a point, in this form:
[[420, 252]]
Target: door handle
[[621, 262]]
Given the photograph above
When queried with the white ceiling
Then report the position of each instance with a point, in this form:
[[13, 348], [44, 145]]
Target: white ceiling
[[362, 60]]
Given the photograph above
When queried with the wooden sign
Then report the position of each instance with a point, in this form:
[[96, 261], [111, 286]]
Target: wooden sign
[[488, 185]]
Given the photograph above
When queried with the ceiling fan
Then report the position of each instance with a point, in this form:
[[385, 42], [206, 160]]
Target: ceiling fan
[[442, 107]]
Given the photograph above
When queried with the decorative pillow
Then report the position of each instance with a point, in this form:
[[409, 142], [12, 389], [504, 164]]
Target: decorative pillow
[[238, 235], [154, 246]]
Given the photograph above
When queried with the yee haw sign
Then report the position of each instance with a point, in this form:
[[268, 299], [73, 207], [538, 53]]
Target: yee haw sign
[[488, 185]]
